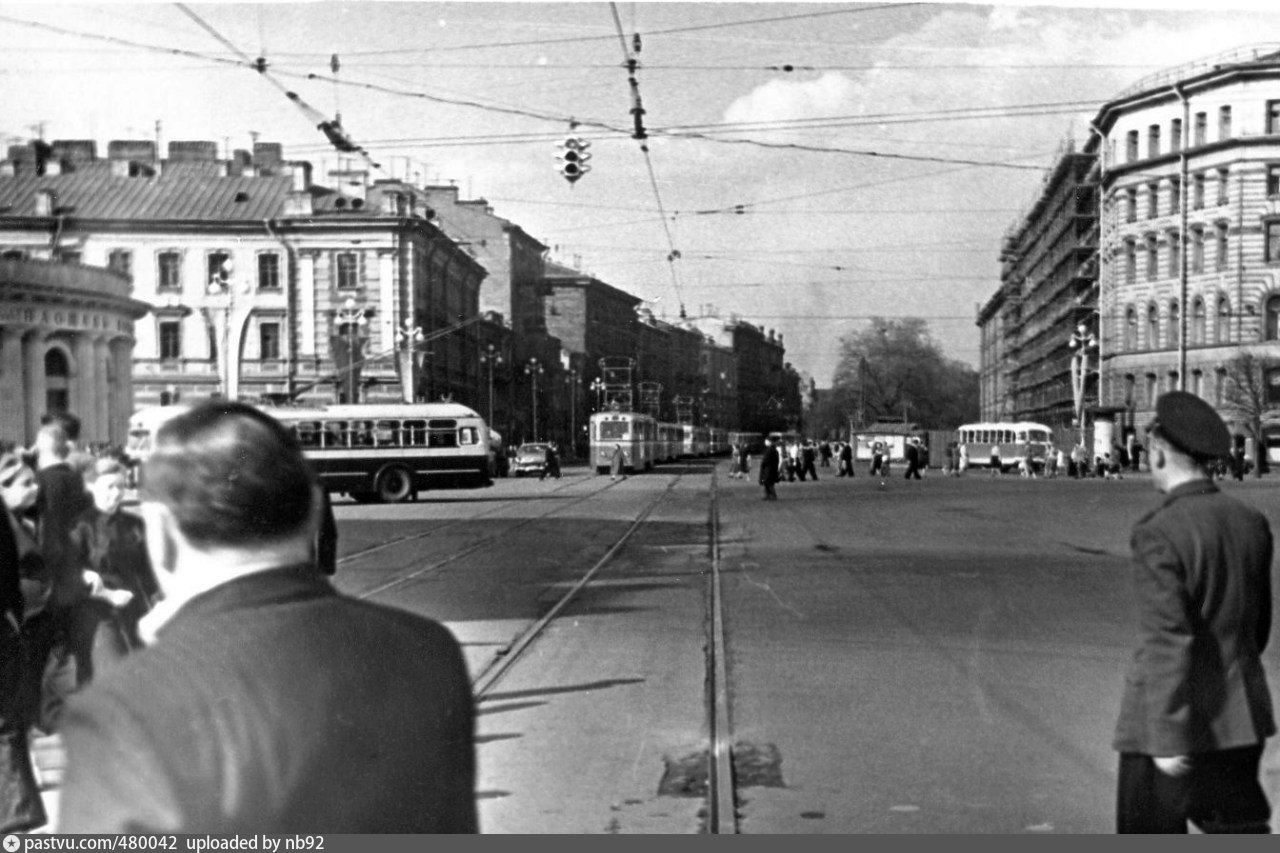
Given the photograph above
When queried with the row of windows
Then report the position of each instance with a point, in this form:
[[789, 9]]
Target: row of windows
[[436, 432], [169, 340], [1146, 389], [169, 266], [1199, 193], [1199, 132], [1196, 259], [1197, 330]]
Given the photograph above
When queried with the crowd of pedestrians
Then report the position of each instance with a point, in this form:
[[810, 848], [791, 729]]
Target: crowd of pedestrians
[[192, 654]]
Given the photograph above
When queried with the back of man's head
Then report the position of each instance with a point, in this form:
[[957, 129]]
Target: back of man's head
[[230, 475], [52, 443], [70, 424]]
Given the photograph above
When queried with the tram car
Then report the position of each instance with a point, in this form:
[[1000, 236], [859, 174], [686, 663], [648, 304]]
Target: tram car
[[670, 441], [635, 432], [695, 441], [752, 441], [719, 441]]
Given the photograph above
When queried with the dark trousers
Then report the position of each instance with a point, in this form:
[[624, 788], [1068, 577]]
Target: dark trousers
[[913, 471], [21, 808], [1221, 794], [770, 493]]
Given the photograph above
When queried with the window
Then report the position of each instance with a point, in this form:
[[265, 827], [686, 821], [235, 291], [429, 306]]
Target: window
[[1197, 383], [1197, 323], [1131, 205], [1175, 253], [1175, 195], [1271, 318], [1220, 259], [1273, 117], [217, 268], [1131, 328], [1153, 389], [121, 261], [1153, 201], [268, 271], [1201, 129], [169, 271], [1222, 186], [1131, 146], [71, 256], [1130, 261], [1153, 141], [1197, 191], [1153, 327], [1222, 334], [1175, 135], [269, 341], [1197, 249], [1273, 241], [1152, 259], [170, 339], [1273, 181], [1219, 385], [1175, 326], [1224, 123], [348, 270]]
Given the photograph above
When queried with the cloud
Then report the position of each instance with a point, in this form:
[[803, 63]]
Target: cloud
[[832, 94]]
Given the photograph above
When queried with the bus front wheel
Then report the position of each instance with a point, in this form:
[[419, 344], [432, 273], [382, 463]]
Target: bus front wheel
[[394, 485]]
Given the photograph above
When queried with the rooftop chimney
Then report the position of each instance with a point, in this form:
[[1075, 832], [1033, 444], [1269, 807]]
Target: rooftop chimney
[[268, 155], [75, 151], [193, 151]]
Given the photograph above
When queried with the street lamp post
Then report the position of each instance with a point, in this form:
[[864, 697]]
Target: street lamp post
[[491, 358], [597, 385], [1082, 340], [409, 336], [221, 284], [572, 378], [352, 317], [533, 369]]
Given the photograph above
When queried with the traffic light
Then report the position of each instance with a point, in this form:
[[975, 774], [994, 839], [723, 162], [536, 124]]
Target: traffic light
[[573, 158]]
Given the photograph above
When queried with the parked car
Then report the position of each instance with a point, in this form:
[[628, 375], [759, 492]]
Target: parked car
[[530, 459]]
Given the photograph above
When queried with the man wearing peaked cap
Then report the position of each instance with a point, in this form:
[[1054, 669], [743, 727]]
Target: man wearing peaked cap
[[1196, 709]]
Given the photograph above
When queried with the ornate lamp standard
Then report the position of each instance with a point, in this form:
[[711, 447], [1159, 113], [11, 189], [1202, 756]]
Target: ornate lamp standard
[[408, 336], [597, 385], [232, 318], [534, 370], [491, 358], [352, 318], [1082, 340]]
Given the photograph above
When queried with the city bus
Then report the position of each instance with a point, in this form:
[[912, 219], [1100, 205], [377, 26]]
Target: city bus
[[390, 452], [1010, 438]]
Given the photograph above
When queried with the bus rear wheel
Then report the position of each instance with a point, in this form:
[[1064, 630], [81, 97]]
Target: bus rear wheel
[[394, 485]]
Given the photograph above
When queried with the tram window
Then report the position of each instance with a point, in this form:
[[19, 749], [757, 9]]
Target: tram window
[[612, 430], [1022, 437], [415, 433], [386, 433]]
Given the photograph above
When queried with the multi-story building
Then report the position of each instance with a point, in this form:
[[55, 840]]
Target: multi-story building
[[1191, 228], [66, 345], [260, 282], [763, 391], [1048, 287]]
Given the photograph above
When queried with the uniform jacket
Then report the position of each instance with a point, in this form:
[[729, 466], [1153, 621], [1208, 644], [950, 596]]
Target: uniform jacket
[[61, 501], [273, 704], [1203, 579]]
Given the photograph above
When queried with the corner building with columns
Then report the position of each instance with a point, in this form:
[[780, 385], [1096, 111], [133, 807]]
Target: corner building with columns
[[66, 345]]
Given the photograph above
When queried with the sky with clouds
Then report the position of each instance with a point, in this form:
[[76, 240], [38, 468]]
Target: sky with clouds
[[808, 165]]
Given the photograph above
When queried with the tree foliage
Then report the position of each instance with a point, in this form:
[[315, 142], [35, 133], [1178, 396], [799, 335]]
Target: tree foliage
[[1245, 398], [893, 366]]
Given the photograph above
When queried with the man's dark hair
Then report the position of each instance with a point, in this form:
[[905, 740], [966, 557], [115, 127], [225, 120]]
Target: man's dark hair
[[70, 423], [230, 475]]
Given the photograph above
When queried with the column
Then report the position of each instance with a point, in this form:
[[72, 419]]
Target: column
[[12, 385], [306, 305], [386, 302], [122, 353], [85, 388], [33, 382], [103, 391]]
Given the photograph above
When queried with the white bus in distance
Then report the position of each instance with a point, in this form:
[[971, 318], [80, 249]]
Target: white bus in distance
[[1011, 439]]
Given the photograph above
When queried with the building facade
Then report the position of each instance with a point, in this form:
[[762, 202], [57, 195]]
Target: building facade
[[1191, 230], [261, 283], [66, 345]]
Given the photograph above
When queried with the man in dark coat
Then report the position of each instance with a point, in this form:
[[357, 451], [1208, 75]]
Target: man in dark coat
[[770, 469], [267, 702], [912, 453], [1196, 710]]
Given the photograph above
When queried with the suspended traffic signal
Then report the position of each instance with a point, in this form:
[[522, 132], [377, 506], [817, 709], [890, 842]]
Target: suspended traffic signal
[[573, 158]]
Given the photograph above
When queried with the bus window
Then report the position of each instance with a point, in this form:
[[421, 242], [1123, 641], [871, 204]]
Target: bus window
[[442, 432], [335, 434], [361, 434], [386, 433], [1022, 436], [415, 433], [308, 433], [468, 435]]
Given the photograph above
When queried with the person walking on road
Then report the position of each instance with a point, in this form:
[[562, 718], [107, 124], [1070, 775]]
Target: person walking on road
[[1196, 709], [912, 454], [846, 459], [267, 701], [807, 454], [551, 468], [995, 460], [770, 469], [618, 463]]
